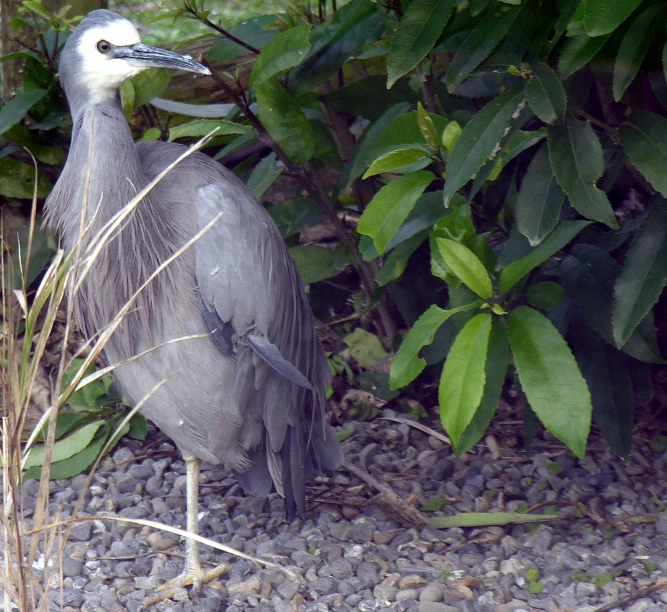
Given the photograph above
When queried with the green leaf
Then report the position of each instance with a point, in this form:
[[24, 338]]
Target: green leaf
[[84, 398], [405, 132], [76, 464], [285, 121], [545, 295], [550, 377], [606, 372], [576, 157], [450, 135], [263, 176], [294, 216], [644, 140], [315, 263], [633, 49], [256, 31], [466, 266], [395, 263], [589, 276], [484, 519], [395, 160], [643, 277], [479, 140], [578, 52], [387, 211], [127, 99], [540, 199], [17, 180], [407, 364], [497, 360], [427, 127], [202, 127], [365, 348], [363, 153], [436, 504], [604, 16], [559, 238], [464, 376], [66, 447], [334, 42], [418, 31], [484, 37], [17, 108], [284, 51], [546, 95], [138, 427], [149, 84]]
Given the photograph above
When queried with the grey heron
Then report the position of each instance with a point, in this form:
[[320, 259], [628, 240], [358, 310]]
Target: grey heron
[[247, 389]]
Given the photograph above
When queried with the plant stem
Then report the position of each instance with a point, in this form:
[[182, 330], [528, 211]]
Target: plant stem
[[206, 21]]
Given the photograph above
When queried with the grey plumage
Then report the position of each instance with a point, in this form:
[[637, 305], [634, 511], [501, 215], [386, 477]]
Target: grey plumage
[[249, 395]]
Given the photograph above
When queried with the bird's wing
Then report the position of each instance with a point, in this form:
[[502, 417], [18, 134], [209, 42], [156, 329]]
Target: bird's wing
[[255, 305]]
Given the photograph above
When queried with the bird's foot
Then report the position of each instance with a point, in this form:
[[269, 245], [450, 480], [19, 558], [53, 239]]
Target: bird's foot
[[194, 577]]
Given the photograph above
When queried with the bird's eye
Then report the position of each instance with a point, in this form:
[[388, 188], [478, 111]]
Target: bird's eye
[[103, 46]]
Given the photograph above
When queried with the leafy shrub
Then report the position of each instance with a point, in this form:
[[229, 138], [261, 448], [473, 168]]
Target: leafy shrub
[[508, 166]]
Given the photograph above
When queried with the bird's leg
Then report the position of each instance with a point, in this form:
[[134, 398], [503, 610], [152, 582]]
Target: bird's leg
[[193, 574]]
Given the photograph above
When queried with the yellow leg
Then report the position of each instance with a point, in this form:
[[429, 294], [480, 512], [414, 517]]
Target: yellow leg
[[193, 574]]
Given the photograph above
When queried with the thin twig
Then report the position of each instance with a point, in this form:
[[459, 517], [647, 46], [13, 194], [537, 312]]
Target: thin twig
[[619, 603], [190, 8]]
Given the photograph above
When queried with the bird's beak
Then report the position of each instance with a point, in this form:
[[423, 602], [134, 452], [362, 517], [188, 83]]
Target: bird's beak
[[143, 56]]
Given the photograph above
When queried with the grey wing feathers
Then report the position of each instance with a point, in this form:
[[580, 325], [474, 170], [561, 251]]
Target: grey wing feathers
[[254, 300]]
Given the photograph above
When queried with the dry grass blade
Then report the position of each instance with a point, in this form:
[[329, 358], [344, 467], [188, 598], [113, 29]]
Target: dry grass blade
[[427, 430]]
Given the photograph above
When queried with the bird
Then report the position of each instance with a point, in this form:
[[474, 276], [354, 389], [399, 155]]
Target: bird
[[224, 332]]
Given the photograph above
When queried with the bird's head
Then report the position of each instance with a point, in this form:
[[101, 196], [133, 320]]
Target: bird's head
[[105, 51]]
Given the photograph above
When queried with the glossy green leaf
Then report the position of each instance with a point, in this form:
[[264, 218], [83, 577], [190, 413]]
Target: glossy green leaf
[[86, 397], [365, 348], [633, 49], [497, 360], [363, 152], [138, 427], [576, 157], [65, 447], [643, 277], [150, 84], [256, 31], [407, 364], [577, 52], [540, 199], [405, 132], [550, 377], [644, 140], [285, 121], [559, 238], [284, 51], [546, 95], [466, 266], [589, 276], [450, 135], [202, 127], [482, 40], [479, 140], [263, 176], [607, 374], [17, 108], [545, 295], [387, 211], [420, 28], [604, 16], [396, 160], [464, 376], [427, 127], [17, 180]]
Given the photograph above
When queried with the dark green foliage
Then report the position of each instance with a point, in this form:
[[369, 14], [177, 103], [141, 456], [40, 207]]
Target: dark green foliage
[[508, 166]]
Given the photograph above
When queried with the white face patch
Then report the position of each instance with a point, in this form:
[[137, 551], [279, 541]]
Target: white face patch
[[103, 74]]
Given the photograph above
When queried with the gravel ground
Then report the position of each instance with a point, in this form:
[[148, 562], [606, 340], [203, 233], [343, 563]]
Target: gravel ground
[[351, 552]]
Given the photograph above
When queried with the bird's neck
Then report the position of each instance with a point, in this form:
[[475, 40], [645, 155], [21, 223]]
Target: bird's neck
[[102, 173]]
